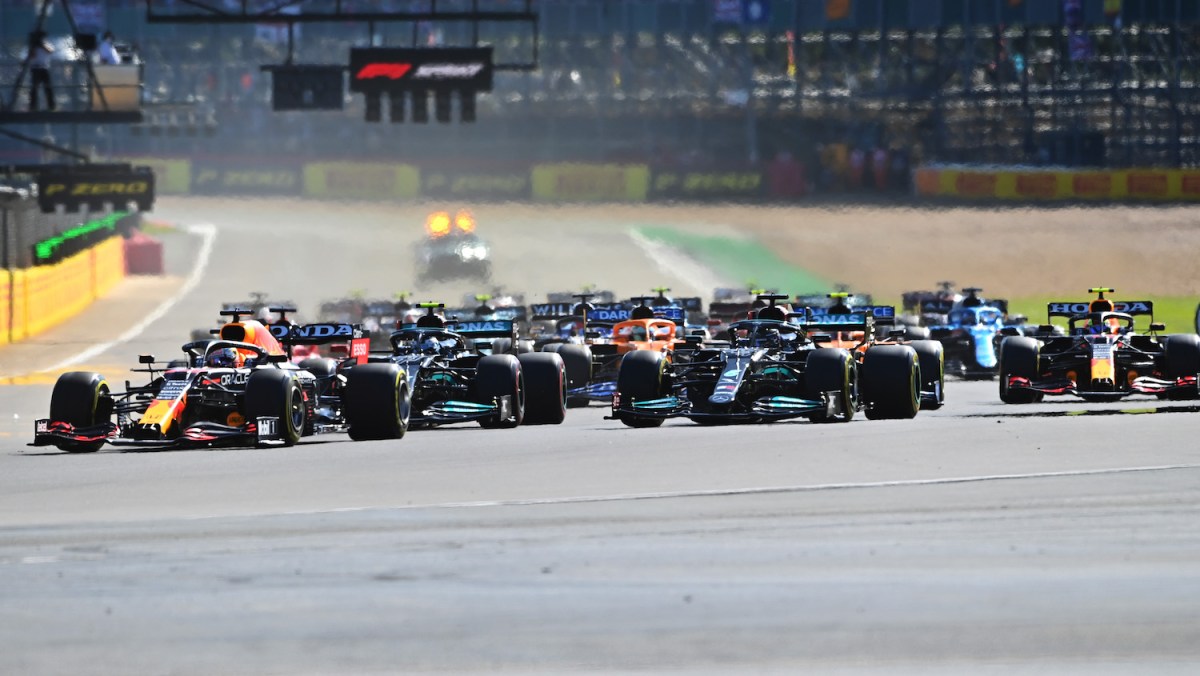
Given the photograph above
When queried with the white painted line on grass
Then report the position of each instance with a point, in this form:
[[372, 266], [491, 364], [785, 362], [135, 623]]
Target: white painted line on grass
[[673, 262], [208, 233]]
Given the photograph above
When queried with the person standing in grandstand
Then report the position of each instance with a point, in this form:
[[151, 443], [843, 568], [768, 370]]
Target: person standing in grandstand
[[39, 70], [107, 53]]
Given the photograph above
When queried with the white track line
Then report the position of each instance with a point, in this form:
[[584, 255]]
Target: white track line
[[672, 261], [801, 488], [208, 232]]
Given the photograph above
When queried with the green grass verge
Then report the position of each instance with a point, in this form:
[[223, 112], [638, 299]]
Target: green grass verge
[[744, 261]]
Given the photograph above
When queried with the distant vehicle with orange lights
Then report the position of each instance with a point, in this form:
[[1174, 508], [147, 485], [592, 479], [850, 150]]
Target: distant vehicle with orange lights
[[452, 249], [1101, 357], [238, 389]]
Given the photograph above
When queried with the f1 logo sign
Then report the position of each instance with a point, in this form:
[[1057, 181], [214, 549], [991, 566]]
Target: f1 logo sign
[[392, 71]]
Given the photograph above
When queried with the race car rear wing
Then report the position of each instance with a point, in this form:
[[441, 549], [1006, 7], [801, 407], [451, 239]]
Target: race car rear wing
[[1129, 307], [811, 321], [483, 328], [605, 312], [357, 340], [936, 306]]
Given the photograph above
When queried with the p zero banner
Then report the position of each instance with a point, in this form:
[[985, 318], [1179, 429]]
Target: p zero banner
[[171, 176], [224, 179], [568, 182], [475, 185], [361, 180], [1048, 185], [706, 185]]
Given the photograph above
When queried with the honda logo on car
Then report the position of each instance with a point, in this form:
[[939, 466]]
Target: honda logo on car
[[324, 331], [1129, 307]]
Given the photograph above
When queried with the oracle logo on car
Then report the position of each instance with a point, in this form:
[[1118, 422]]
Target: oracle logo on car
[[392, 71]]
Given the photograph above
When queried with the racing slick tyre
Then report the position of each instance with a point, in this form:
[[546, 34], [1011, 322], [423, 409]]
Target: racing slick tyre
[[524, 345], [495, 376], [1181, 354], [275, 393], [932, 358], [325, 371], [830, 369], [891, 382], [82, 399], [376, 402], [502, 346], [552, 347], [1019, 357], [545, 388], [577, 359], [916, 332], [640, 377]]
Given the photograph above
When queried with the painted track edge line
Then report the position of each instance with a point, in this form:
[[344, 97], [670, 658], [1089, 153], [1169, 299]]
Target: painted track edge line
[[802, 488], [208, 232], [673, 261]]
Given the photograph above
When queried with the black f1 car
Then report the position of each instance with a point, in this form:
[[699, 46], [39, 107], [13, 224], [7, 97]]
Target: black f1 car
[[237, 390], [457, 375], [769, 370], [1101, 357]]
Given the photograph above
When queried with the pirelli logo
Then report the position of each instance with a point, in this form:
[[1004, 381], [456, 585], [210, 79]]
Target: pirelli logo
[[128, 188], [94, 186]]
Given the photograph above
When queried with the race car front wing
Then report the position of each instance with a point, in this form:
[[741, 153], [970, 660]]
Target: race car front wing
[[765, 408], [1185, 386]]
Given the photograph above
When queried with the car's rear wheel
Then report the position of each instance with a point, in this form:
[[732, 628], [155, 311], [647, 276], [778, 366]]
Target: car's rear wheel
[[831, 369], [275, 393], [1181, 357], [577, 359], [891, 378], [82, 399], [376, 402], [1019, 357], [498, 375], [932, 358], [640, 378], [545, 388]]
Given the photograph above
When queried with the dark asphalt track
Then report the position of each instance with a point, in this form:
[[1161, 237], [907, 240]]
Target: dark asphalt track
[[978, 538]]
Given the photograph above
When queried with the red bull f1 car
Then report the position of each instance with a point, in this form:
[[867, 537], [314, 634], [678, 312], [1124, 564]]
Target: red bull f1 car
[[1101, 357], [240, 389]]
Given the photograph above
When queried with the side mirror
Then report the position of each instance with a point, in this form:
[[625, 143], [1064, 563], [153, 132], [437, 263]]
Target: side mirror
[[885, 321], [821, 337], [693, 340], [145, 359], [1158, 326], [1046, 328], [1009, 331], [897, 333], [277, 358]]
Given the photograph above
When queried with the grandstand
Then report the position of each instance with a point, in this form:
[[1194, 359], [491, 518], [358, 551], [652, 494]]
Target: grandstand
[[1061, 82]]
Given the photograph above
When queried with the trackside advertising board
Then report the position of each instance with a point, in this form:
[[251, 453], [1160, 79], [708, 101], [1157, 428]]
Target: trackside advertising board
[[1031, 185], [209, 178]]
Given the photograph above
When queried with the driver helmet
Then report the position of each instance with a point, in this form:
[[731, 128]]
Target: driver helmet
[[429, 344], [767, 338], [226, 357], [448, 343]]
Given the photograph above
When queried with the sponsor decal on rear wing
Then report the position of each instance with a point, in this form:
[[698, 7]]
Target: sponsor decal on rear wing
[[1070, 309], [486, 328], [675, 314], [606, 312], [937, 306], [316, 334], [854, 321]]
